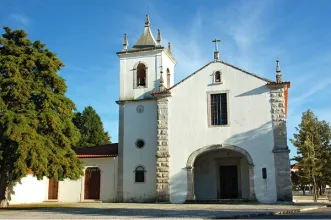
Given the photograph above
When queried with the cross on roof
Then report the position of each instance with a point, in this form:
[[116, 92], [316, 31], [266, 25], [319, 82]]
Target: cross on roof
[[216, 44]]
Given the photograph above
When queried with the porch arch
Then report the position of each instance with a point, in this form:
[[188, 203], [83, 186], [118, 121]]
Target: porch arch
[[195, 154]]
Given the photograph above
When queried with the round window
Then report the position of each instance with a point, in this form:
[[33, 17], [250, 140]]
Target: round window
[[140, 143], [140, 109]]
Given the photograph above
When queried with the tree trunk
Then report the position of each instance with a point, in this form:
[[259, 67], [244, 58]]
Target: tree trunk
[[315, 190], [3, 189], [303, 190], [322, 190]]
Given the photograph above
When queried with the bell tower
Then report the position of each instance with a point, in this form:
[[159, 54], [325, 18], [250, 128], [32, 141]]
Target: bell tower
[[146, 67], [141, 64]]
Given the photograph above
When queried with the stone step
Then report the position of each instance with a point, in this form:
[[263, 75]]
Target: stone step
[[220, 201]]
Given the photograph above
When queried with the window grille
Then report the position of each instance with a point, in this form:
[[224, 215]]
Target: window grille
[[219, 111]]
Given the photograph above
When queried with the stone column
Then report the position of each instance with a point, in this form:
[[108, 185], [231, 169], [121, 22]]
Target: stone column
[[280, 150], [252, 195], [162, 153], [190, 183], [119, 197]]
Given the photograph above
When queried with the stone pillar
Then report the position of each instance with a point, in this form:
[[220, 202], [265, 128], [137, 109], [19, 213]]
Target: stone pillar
[[283, 175], [252, 195], [190, 183], [162, 153], [280, 150], [119, 197]]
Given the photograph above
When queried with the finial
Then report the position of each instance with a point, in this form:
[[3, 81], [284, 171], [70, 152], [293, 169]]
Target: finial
[[278, 73], [125, 43], [159, 38], [169, 48], [162, 88], [147, 22], [216, 53]]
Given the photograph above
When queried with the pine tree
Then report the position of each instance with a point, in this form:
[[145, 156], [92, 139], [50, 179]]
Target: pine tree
[[36, 129], [313, 149], [91, 128], [325, 158]]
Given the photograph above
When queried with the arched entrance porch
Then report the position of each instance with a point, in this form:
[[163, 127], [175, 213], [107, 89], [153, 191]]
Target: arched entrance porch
[[220, 172]]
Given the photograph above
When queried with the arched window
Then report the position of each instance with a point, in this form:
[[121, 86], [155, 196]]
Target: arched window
[[139, 176], [168, 78], [141, 74], [217, 77]]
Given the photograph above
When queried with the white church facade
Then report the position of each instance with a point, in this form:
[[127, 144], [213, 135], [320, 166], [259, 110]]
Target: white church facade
[[220, 133]]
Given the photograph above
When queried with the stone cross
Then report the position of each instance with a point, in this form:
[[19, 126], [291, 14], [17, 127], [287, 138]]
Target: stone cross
[[216, 53], [216, 44]]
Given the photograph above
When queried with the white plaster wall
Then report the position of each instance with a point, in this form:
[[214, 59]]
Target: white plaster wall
[[29, 190], [70, 190], [73, 191], [206, 173], [139, 126], [250, 125], [168, 63], [108, 181], [153, 60]]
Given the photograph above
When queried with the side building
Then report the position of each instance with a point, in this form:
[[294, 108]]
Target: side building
[[99, 182]]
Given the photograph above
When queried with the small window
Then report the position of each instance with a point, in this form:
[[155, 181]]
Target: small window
[[219, 111], [217, 77], [168, 78], [140, 143], [139, 174], [141, 74]]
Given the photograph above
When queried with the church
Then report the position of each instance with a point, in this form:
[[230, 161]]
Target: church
[[218, 134]]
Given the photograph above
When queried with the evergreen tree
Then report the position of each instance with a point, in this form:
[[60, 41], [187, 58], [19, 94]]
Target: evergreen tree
[[313, 149], [36, 129], [325, 159], [91, 128]]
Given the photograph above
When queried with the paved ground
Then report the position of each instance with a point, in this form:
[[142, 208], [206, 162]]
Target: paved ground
[[139, 211], [323, 213]]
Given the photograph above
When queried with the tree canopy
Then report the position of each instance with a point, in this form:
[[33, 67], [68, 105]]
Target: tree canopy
[[36, 128], [91, 128], [312, 141]]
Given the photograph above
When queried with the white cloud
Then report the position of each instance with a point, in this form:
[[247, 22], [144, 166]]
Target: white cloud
[[20, 18], [316, 87], [186, 47]]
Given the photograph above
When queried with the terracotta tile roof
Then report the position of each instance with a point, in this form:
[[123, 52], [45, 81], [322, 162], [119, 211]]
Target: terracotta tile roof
[[282, 83], [159, 93], [108, 150], [294, 166]]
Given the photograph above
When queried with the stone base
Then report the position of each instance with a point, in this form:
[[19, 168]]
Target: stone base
[[283, 175]]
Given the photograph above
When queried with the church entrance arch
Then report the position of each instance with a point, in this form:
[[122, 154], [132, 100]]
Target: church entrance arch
[[220, 172]]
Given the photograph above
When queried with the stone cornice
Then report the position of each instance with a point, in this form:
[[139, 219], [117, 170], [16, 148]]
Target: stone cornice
[[164, 94], [157, 49], [122, 102], [279, 150], [275, 85]]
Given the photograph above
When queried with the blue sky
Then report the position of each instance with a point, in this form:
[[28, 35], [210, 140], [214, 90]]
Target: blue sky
[[254, 33]]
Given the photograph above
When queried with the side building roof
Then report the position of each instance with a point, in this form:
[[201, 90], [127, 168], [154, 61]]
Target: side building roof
[[107, 150]]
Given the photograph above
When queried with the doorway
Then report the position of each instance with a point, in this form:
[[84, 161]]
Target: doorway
[[92, 183], [53, 189], [228, 182]]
